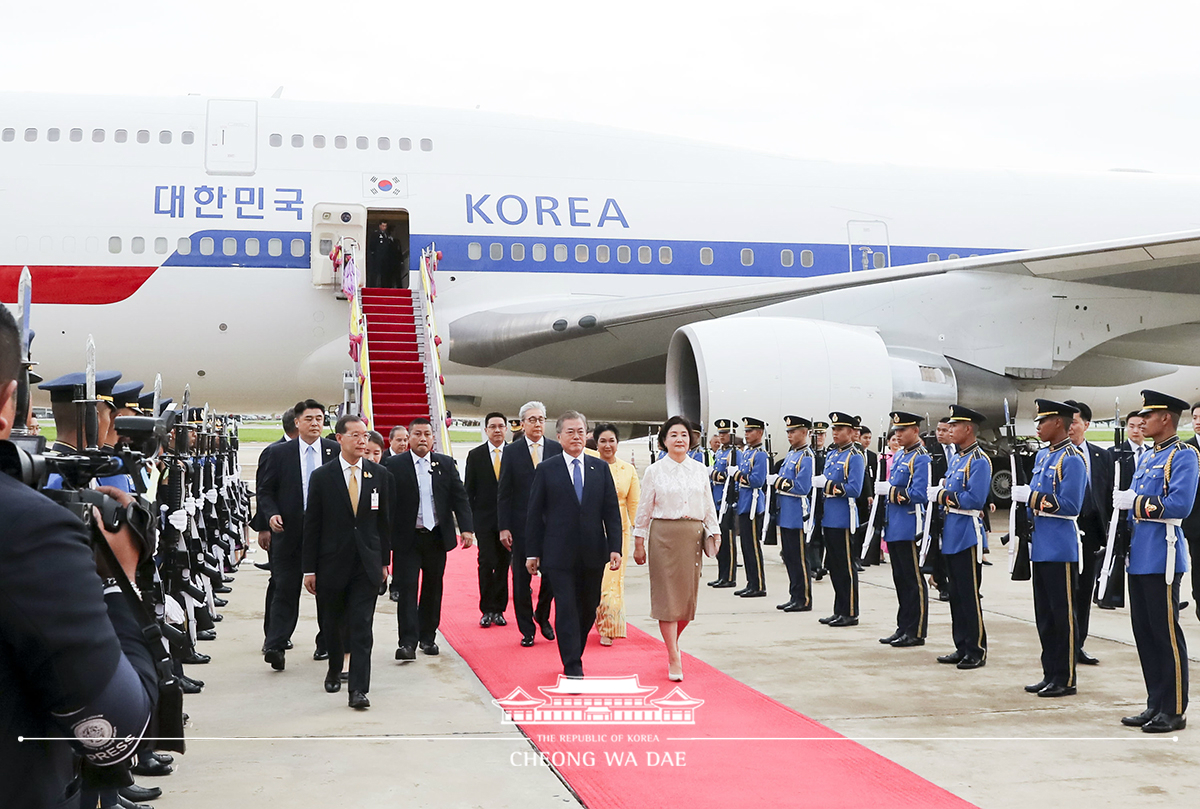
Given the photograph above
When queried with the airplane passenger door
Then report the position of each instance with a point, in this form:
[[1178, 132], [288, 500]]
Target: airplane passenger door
[[869, 246], [231, 137], [331, 223]]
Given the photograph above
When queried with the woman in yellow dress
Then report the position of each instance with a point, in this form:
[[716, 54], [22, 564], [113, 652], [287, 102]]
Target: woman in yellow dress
[[610, 615]]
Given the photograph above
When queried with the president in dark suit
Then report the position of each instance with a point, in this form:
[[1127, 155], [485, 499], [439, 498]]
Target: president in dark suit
[[347, 541], [282, 496], [259, 521], [573, 530], [429, 498], [1093, 521], [512, 505], [482, 477]]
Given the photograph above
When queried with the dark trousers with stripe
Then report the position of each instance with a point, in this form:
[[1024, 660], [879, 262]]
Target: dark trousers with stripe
[[966, 612], [1093, 541], [1154, 612], [841, 571], [1055, 586], [795, 560], [912, 591], [749, 526], [727, 554]]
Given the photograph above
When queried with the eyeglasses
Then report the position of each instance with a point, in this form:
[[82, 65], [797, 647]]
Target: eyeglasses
[[535, 419]]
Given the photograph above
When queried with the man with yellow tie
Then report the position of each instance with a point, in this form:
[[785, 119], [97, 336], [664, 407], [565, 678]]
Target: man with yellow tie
[[481, 476]]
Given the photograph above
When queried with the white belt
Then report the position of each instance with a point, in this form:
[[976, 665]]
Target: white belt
[[977, 523], [1078, 535], [1172, 537]]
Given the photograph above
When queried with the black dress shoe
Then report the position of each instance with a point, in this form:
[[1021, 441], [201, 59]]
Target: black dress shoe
[[206, 634], [195, 659], [189, 686], [344, 676], [1033, 688], [262, 566], [1137, 720], [227, 579], [827, 620], [754, 594], [320, 654], [843, 620], [359, 700], [796, 606], [220, 602], [1165, 723], [742, 591], [135, 793], [150, 768], [894, 636], [527, 641], [820, 574], [288, 646], [953, 657], [406, 653], [943, 595], [394, 596], [218, 617], [972, 663], [725, 584], [166, 758], [486, 620], [125, 803], [1086, 659], [430, 648], [547, 630], [276, 658], [1056, 690], [222, 588], [715, 582], [905, 641], [333, 684], [784, 605], [498, 619]]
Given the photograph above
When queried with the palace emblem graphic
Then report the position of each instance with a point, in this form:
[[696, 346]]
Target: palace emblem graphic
[[598, 701]]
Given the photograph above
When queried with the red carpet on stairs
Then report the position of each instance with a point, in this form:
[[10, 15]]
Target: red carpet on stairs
[[398, 390], [615, 752]]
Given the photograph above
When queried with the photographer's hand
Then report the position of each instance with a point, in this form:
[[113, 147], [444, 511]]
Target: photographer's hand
[[123, 543]]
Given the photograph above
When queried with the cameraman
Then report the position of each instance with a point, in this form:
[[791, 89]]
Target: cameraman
[[73, 665]]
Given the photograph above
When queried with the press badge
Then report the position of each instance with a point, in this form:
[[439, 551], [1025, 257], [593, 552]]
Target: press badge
[[375, 501]]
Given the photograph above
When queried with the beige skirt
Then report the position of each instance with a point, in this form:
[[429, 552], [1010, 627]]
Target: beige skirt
[[674, 550]]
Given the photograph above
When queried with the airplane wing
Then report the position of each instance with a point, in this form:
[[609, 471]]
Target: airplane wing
[[577, 339]]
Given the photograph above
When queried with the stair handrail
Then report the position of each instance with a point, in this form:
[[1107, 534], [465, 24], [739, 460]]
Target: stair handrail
[[434, 380], [351, 250]]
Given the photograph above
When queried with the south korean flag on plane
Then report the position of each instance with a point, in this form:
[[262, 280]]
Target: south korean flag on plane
[[385, 185]]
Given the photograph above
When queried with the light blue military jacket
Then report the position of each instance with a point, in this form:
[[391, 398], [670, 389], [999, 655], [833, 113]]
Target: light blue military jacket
[[909, 478], [1058, 484], [794, 485], [844, 467], [1165, 485], [752, 468], [720, 469], [968, 480]]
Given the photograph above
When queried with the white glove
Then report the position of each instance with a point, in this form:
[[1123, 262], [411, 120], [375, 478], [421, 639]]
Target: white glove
[[1124, 498], [189, 505], [819, 481], [178, 520], [771, 481], [1020, 494], [883, 489], [211, 496], [932, 492]]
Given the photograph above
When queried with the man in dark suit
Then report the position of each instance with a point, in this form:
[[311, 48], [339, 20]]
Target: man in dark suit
[[1093, 521], [282, 497], [347, 541], [573, 529], [1191, 523], [259, 521], [481, 476], [429, 498], [512, 505]]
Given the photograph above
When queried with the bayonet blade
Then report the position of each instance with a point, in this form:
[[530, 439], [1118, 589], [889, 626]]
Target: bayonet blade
[[1007, 419], [187, 402], [24, 305], [157, 394], [90, 373]]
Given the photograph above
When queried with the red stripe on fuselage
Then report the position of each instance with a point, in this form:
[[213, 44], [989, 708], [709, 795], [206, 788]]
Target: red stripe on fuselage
[[79, 285]]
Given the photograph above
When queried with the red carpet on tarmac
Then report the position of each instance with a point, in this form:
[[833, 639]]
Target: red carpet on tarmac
[[615, 750]]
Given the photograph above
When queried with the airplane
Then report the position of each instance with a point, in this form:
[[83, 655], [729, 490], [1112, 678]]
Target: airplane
[[626, 275]]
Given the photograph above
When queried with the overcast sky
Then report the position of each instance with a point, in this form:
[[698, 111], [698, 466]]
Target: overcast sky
[[1044, 85]]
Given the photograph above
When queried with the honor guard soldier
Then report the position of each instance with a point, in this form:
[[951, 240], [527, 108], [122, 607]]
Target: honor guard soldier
[[517, 428], [67, 419], [1163, 493], [816, 541], [725, 498], [1055, 497], [841, 480], [793, 489], [907, 493], [752, 506], [968, 481]]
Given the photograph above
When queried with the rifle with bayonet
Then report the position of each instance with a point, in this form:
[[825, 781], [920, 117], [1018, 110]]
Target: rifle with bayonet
[[1020, 528], [880, 476], [1110, 590]]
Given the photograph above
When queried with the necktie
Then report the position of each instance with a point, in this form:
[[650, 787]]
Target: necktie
[[578, 480], [310, 463], [420, 493], [353, 491], [496, 462], [533, 453]]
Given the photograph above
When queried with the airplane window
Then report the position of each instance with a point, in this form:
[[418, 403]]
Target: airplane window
[[664, 255], [602, 253], [404, 144], [318, 141], [384, 144], [76, 135], [275, 139], [644, 254], [92, 245], [496, 251], [973, 255], [297, 248], [52, 134], [68, 244], [474, 251], [426, 145], [517, 251], [97, 136], [952, 256], [747, 257], [143, 135], [879, 260], [933, 257], [160, 245], [539, 252], [114, 244], [137, 244], [229, 246], [623, 253], [339, 142], [121, 135], [581, 253], [297, 141], [187, 138], [787, 258], [206, 246], [560, 252], [275, 247], [184, 246], [30, 135], [706, 255], [252, 245], [9, 135], [806, 258], [164, 136], [361, 142]]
